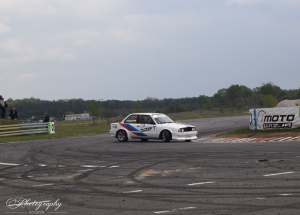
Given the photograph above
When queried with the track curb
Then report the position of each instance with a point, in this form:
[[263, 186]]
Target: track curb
[[214, 139]]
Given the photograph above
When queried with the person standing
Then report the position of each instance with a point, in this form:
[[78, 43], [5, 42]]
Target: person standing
[[4, 105], [13, 114], [46, 118]]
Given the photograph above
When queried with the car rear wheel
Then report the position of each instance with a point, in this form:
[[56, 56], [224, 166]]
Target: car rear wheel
[[122, 136], [144, 140], [166, 136]]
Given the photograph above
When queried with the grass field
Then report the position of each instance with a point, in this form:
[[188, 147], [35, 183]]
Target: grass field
[[8, 122], [65, 129], [86, 128]]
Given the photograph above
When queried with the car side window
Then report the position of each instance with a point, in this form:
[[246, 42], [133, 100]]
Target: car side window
[[146, 119], [132, 119], [151, 121]]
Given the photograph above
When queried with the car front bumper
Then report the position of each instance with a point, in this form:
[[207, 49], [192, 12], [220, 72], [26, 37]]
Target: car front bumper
[[191, 135]]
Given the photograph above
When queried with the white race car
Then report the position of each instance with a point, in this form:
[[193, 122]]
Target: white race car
[[147, 126]]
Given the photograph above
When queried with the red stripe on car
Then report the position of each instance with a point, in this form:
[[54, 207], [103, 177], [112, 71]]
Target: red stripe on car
[[125, 127]]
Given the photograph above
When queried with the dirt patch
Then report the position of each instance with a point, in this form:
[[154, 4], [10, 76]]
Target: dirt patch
[[58, 178], [148, 173], [152, 172]]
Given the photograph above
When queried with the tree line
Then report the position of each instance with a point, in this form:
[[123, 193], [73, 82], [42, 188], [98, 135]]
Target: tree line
[[235, 97]]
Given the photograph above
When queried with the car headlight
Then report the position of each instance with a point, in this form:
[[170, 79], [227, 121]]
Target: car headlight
[[194, 129], [180, 130]]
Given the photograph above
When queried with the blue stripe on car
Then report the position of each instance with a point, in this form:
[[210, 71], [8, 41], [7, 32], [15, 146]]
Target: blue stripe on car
[[130, 127]]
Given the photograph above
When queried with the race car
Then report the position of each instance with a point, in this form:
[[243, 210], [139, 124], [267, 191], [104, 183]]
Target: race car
[[147, 126]]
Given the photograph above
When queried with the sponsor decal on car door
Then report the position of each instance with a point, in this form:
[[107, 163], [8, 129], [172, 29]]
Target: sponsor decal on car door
[[148, 126]]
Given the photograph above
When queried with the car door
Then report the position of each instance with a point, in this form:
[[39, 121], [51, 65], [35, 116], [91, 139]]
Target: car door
[[132, 126], [148, 126]]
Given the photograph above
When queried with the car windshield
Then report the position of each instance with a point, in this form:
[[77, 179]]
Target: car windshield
[[163, 119]]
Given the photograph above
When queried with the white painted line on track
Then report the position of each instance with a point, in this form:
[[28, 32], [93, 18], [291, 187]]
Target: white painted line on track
[[209, 182], [40, 164], [161, 212], [84, 170], [134, 191], [10, 164], [260, 198], [113, 166], [40, 185], [179, 209], [177, 170], [283, 173], [92, 166], [285, 194]]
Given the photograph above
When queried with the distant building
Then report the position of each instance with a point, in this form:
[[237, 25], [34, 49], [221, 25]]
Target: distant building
[[289, 103], [81, 116]]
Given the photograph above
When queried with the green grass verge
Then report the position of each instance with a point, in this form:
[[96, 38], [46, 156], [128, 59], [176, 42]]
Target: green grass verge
[[5, 121], [204, 114], [65, 129], [86, 128]]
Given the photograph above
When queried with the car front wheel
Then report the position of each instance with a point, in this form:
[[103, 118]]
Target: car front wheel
[[122, 136], [166, 136]]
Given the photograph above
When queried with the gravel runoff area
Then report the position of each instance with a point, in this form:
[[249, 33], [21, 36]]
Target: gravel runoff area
[[99, 175]]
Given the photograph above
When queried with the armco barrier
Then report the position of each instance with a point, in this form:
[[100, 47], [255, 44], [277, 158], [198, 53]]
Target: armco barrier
[[29, 128]]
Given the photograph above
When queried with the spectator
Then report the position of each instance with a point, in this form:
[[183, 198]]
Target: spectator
[[46, 118], [13, 114], [4, 105], [1, 105]]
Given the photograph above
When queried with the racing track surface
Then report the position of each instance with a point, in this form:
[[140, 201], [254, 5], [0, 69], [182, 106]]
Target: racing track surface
[[99, 175]]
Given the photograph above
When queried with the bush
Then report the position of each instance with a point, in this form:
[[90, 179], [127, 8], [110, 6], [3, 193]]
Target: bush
[[269, 101]]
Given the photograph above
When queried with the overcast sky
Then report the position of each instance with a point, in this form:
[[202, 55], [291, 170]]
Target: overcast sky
[[131, 49]]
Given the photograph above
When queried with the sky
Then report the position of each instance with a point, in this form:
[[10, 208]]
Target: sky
[[132, 49]]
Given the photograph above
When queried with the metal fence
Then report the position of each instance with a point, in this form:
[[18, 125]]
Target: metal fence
[[29, 128]]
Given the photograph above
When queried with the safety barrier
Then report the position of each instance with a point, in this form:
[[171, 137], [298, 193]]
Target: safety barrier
[[29, 128]]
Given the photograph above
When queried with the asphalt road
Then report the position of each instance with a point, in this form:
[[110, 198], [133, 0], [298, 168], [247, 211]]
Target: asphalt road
[[99, 175]]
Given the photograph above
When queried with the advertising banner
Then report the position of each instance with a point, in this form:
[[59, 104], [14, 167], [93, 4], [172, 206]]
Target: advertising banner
[[274, 118]]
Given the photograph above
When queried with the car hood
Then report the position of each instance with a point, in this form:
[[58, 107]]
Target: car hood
[[177, 125]]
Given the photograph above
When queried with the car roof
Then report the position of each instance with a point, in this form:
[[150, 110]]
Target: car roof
[[146, 113]]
